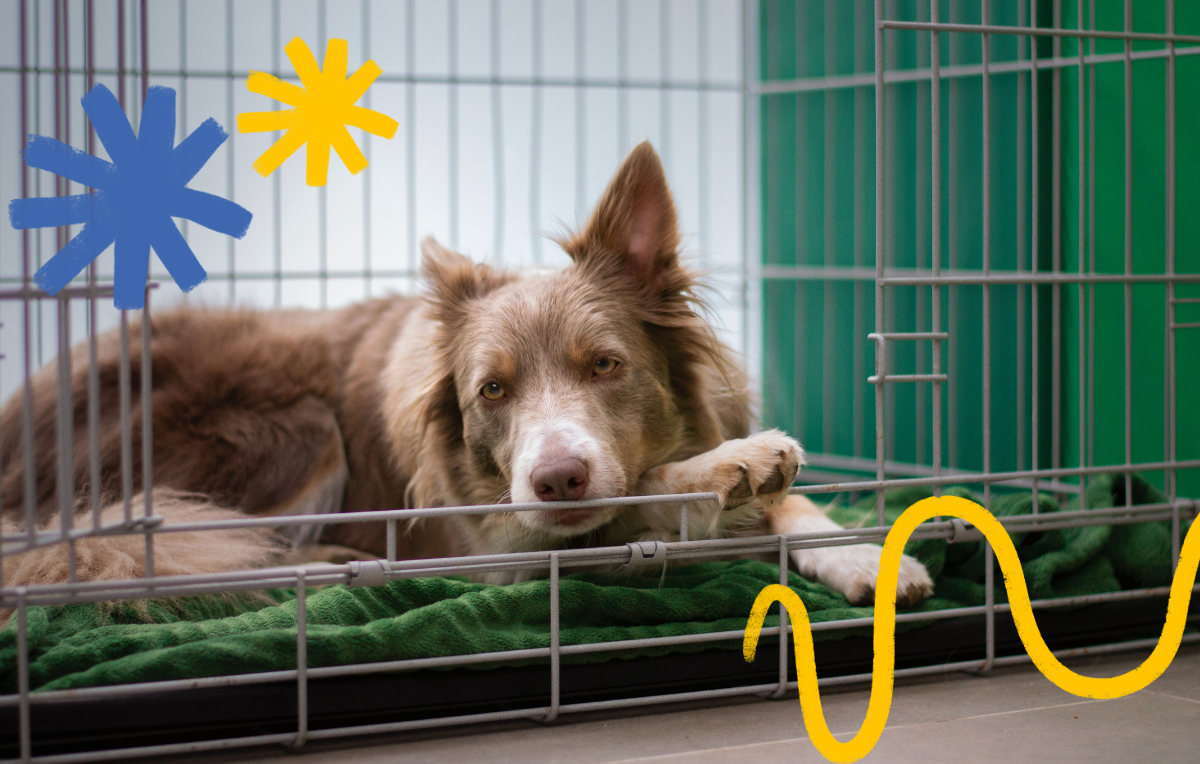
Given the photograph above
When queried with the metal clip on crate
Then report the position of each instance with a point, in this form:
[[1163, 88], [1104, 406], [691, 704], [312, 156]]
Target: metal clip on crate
[[646, 551]]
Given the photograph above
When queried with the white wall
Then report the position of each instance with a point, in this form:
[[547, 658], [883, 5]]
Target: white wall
[[698, 133]]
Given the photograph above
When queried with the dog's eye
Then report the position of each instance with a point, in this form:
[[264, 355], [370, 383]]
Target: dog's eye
[[492, 391], [604, 366]]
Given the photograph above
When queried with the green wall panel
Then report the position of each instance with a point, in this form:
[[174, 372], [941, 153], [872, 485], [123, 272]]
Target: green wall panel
[[818, 175]]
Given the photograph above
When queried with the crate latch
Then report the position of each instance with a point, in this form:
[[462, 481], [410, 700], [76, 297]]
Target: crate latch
[[647, 551], [368, 572], [963, 533]]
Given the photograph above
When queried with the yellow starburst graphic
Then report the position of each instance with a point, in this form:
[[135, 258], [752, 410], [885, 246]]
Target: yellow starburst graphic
[[320, 111]]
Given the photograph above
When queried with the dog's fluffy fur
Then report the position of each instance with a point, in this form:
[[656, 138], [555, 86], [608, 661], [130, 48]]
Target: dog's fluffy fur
[[602, 379]]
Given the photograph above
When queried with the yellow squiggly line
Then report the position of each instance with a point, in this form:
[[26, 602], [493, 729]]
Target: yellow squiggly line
[[1022, 612]]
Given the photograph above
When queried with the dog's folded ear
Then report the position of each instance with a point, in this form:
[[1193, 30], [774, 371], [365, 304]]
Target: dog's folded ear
[[633, 226], [454, 280]]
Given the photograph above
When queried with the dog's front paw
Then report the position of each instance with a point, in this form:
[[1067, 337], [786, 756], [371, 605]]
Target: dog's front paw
[[853, 571], [758, 469]]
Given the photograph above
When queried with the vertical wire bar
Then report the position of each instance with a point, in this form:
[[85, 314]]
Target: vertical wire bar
[[61, 107], [683, 521], [702, 104], [1091, 371], [410, 131], [65, 436], [953, 44], [919, 214], [664, 64], [64, 393], [1056, 338], [1081, 404], [1020, 248], [147, 401], [800, 339], [125, 393], [230, 262], [892, 98], [535, 138], [366, 178], [880, 364], [323, 191], [27, 432], [555, 643], [1034, 232], [1128, 253], [989, 592], [452, 119], [829, 318], [623, 76], [751, 254], [37, 177], [391, 540], [121, 53], [25, 732], [143, 50], [935, 239], [1169, 404], [580, 111], [276, 182], [783, 621], [125, 381], [183, 90], [93, 366], [989, 573], [497, 140], [147, 397], [301, 658], [987, 258], [858, 413]]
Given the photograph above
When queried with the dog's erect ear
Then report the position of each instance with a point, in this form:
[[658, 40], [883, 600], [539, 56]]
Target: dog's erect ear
[[634, 221], [454, 280]]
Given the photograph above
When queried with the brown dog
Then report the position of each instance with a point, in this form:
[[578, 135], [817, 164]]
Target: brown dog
[[599, 380]]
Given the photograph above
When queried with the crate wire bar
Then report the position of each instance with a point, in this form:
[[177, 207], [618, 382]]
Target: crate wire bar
[[133, 78]]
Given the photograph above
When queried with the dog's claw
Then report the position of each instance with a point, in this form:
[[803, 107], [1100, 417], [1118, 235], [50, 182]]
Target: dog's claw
[[773, 483], [740, 493]]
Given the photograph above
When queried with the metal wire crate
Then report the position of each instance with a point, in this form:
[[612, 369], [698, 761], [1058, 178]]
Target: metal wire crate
[[705, 82]]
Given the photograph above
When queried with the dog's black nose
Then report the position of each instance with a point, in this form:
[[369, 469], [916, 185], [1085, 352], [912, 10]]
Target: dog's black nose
[[563, 479]]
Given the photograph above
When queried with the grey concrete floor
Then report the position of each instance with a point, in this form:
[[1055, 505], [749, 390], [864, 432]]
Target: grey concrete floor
[[1015, 714]]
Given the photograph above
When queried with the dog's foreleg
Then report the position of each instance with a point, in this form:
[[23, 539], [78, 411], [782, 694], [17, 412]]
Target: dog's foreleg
[[851, 569], [748, 475]]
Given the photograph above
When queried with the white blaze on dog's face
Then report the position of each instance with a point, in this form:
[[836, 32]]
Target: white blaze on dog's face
[[569, 385], [562, 394]]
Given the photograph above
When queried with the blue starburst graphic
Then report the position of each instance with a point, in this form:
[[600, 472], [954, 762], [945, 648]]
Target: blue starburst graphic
[[135, 196]]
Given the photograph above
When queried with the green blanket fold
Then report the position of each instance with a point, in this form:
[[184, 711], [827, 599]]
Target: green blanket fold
[[86, 645]]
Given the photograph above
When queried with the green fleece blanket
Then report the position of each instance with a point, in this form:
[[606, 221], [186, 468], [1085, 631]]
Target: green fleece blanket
[[86, 645]]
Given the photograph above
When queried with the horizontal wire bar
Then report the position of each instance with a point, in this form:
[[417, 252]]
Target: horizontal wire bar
[[110, 692], [1010, 660], [168, 749], [173, 586], [20, 541], [418, 79], [1192, 325], [1047, 278], [860, 464], [1185, 300], [28, 293], [926, 277], [538, 712], [894, 336], [1098, 34], [875, 380], [240, 275], [997, 477], [894, 77]]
